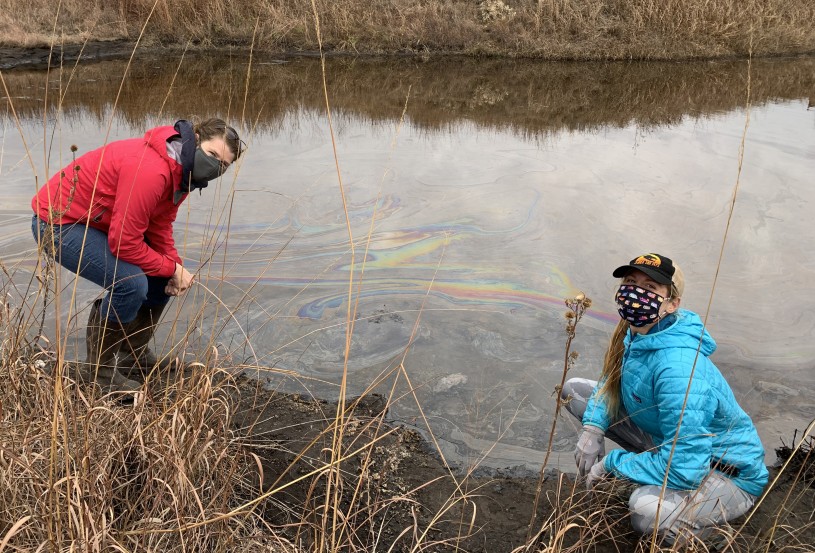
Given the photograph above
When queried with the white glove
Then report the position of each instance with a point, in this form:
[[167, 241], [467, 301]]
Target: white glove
[[591, 447], [598, 472]]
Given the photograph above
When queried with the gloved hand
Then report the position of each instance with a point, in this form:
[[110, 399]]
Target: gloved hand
[[596, 474], [591, 447]]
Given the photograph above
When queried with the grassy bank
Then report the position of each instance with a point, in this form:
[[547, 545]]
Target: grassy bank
[[553, 29]]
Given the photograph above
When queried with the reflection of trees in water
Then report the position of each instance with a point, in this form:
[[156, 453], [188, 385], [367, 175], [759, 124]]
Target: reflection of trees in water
[[532, 98]]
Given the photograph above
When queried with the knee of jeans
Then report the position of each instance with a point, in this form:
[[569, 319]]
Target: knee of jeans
[[644, 504], [568, 389], [643, 507], [131, 289], [564, 392], [573, 401], [578, 387]]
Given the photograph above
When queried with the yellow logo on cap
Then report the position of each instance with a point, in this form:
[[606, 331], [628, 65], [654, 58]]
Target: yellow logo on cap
[[649, 259]]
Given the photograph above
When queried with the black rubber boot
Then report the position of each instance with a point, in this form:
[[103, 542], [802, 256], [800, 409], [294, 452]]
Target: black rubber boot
[[137, 355], [103, 339]]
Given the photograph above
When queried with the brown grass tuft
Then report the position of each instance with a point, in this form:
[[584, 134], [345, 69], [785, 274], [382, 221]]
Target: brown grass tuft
[[80, 471]]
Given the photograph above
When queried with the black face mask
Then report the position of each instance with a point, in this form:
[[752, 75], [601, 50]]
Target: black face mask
[[206, 167], [188, 147]]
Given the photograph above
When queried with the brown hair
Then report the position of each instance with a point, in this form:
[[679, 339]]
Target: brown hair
[[613, 362], [217, 128]]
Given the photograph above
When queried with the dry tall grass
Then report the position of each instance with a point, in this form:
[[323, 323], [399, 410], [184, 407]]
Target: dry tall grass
[[84, 472], [555, 29]]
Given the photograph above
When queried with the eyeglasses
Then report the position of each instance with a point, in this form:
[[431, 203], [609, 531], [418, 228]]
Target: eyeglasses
[[232, 135]]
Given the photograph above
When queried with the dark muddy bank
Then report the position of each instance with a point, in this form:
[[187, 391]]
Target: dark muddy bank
[[67, 54], [400, 484]]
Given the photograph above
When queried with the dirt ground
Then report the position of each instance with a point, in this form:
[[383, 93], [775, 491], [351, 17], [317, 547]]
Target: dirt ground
[[37, 57], [404, 484]]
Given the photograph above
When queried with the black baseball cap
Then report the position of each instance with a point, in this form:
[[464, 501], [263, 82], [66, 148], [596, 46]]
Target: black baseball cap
[[658, 267]]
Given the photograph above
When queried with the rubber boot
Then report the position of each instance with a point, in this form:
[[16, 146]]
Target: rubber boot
[[137, 354], [103, 341]]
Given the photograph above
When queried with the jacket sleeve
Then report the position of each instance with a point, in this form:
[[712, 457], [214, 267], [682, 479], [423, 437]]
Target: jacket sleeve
[[142, 185], [596, 413], [690, 462]]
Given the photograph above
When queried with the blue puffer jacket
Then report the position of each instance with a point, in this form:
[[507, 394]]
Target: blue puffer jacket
[[656, 371]]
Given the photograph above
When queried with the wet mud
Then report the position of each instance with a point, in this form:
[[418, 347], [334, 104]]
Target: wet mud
[[42, 57], [397, 488]]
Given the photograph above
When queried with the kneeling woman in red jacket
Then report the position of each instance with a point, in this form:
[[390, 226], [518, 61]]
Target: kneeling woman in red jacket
[[108, 217]]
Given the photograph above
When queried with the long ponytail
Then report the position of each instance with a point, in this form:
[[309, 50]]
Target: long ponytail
[[613, 370]]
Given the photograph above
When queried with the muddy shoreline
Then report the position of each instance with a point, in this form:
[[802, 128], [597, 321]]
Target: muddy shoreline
[[403, 483], [38, 57], [61, 54]]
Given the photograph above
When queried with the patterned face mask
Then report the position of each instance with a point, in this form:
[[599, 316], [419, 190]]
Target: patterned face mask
[[637, 305]]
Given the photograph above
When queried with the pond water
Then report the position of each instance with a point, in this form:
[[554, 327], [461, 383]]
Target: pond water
[[479, 195]]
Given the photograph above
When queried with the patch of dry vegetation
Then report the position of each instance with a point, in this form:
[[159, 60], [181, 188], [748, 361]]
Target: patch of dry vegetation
[[554, 29], [83, 472]]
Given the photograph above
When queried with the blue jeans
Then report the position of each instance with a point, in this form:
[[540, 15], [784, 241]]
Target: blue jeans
[[127, 286]]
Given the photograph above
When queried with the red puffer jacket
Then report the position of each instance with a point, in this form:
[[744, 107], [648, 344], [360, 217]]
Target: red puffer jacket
[[126, 190]]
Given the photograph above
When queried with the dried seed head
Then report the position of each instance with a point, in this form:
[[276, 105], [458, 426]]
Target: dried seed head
[[580, 297], [76, 168], [587, 303], [569, 315], [74, 148]]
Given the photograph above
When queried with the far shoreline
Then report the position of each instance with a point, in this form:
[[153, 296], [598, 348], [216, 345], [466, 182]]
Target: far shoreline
[[37, 57], [562, 30]]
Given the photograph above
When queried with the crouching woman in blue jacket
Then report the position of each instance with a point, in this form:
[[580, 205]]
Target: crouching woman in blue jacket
[[671, 410]]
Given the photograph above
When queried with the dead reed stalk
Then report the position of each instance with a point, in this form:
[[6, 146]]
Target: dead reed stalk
[[577, 307]]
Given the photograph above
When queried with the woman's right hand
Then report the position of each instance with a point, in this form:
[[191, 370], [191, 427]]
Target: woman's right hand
[[591, 447], [180, 282]]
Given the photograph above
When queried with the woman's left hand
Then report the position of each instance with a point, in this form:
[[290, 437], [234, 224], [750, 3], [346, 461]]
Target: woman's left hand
[[180, 282], [597, 473]]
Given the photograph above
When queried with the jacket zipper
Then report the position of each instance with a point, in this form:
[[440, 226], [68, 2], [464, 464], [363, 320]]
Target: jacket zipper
[[98, 216]]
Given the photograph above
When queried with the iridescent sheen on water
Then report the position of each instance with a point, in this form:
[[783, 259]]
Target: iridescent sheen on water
[[508, 187]]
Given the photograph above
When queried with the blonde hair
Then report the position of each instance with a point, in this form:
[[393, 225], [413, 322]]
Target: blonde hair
[[613, 362], [677, 283]]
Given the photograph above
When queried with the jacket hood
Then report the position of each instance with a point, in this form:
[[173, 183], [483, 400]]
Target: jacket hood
[[685, 332], [189, 143], [157, 138], [181, 172]]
